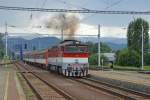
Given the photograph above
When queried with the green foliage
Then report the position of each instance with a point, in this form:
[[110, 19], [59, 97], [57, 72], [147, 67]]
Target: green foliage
[[1, 42], [128, 57], [93, 59], [132, 55], [1, 47], [147, 59], [134, 35], [93, 48], [147, 68], [1, 53]]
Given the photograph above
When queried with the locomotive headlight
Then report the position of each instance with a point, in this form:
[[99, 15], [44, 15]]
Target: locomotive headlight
[[77, 42]]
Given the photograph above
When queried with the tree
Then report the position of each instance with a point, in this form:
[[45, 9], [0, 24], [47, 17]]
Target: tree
[[1, 53], [93, 59], [1, 42], [147, 59], [93, 48], [134, 35], [1, 46], [128, 57]]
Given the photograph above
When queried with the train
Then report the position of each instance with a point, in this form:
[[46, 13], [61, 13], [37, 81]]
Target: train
[[69, 58]]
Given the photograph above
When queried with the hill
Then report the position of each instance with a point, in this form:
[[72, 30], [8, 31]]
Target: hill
[[14, 44]]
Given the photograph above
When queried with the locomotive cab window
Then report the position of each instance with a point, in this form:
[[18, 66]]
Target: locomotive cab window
[[76, 49]]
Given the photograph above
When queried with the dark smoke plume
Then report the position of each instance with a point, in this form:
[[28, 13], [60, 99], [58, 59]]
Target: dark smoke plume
[[69, 24]]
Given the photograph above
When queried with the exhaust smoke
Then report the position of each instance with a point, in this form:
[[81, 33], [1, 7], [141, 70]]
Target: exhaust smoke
[[69, 23]]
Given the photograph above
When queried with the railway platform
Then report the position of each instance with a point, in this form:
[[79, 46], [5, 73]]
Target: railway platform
[[127, 79], [10, 88]]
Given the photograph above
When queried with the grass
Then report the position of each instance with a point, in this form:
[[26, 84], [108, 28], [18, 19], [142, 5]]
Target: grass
[[147, 68], [28, 92], [116, 67], [95, 66], [5, 60]]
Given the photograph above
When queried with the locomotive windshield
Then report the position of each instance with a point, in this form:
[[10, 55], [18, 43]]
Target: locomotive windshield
[[76, 49]]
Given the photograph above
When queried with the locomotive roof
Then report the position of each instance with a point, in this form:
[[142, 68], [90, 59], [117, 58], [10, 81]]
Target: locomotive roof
[[71, 42], [68, 41]]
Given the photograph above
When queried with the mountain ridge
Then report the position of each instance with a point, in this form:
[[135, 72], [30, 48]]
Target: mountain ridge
[[40, 43]]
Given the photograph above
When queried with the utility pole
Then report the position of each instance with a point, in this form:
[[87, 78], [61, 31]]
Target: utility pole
[[142, 48], [99, 47], [6, 33], [39, 44], [62, 34]]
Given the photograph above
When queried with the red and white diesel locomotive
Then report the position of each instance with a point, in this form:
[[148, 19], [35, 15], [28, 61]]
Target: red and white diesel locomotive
[[69, 58]]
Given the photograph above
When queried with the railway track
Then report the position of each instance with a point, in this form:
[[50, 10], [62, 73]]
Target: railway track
[[76, 90], [42, 89], [124, 93], [88, 84]]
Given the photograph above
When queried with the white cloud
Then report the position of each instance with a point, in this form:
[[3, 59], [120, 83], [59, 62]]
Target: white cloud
[[106, 31], [84, 29]]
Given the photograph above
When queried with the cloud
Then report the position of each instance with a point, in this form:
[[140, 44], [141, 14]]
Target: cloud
[[105, 31], [37, 26], [84, 29]]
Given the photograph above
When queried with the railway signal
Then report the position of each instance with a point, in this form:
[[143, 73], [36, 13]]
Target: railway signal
[[25, 46]]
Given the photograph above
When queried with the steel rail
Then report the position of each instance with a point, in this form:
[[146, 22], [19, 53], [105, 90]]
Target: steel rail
[[128, 94], [125, 96], [119, 87], [39, 97], [106, 90], [74, 11], [61, 92]]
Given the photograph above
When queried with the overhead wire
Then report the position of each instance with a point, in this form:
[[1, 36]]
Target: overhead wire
[[73, 5], [74, 11], [113, 4], [42, 6]]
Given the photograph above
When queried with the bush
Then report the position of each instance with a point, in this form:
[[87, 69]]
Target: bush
[[128, 57], [93, 59], [1, 53], [147, 59]]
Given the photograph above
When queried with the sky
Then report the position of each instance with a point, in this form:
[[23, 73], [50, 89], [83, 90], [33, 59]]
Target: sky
[[111, 25]]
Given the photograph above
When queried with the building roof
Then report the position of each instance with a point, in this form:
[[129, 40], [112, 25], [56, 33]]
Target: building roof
[[110, 56]]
